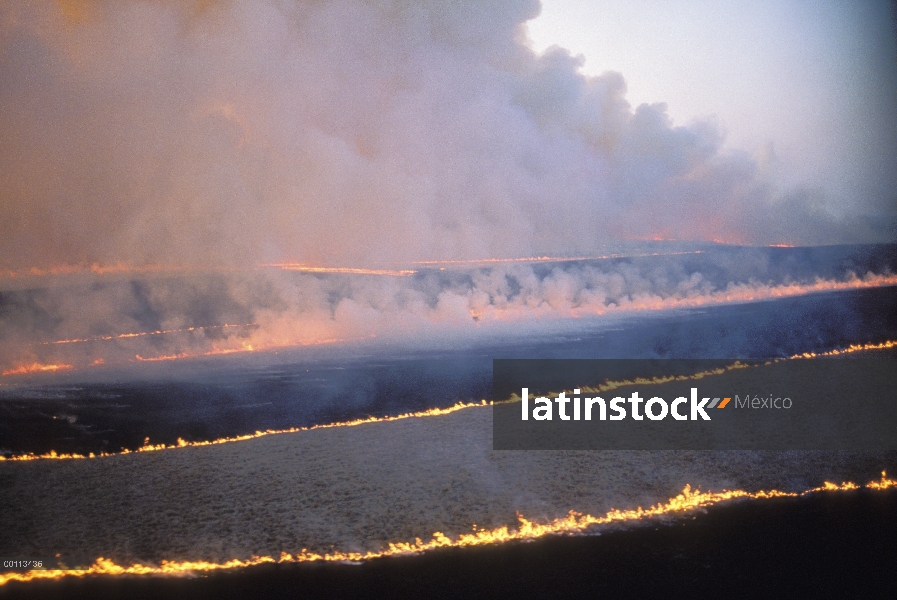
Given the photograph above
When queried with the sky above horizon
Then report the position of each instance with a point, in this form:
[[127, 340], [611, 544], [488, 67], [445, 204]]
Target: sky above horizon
[[814, 83]]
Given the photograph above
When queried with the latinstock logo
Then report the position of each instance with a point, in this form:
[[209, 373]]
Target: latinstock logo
[[656, 404], [655, 409]]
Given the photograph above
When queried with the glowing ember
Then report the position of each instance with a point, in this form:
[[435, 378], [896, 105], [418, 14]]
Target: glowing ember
[[574, 523]]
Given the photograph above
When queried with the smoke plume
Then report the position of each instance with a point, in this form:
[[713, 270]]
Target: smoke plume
[[347, 132]]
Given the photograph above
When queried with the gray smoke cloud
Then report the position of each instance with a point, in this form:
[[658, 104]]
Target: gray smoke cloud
[[349, 132]]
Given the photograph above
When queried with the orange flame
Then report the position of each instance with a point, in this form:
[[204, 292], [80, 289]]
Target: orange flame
[[849, 350], [119, 336], [160, 358], [341, 270], [574, 523], [35, 368]]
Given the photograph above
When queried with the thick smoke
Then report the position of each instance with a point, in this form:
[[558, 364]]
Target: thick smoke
[[347, 132]]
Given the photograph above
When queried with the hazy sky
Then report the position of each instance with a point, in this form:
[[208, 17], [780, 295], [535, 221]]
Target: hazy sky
[[816, 79]]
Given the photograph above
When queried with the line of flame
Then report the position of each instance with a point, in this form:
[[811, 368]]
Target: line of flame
[[734, 294], [607, 386], [247, 347], [743, 293], [849, 350], [139, 358], [99, 269], [182, 443], [119, 336], [95, 268], [342, 270], [537, 259], [574, 523], [35, 368]]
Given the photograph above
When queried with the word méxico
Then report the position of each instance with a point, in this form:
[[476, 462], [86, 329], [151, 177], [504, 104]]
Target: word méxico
[[758, 402], [655, 409]]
